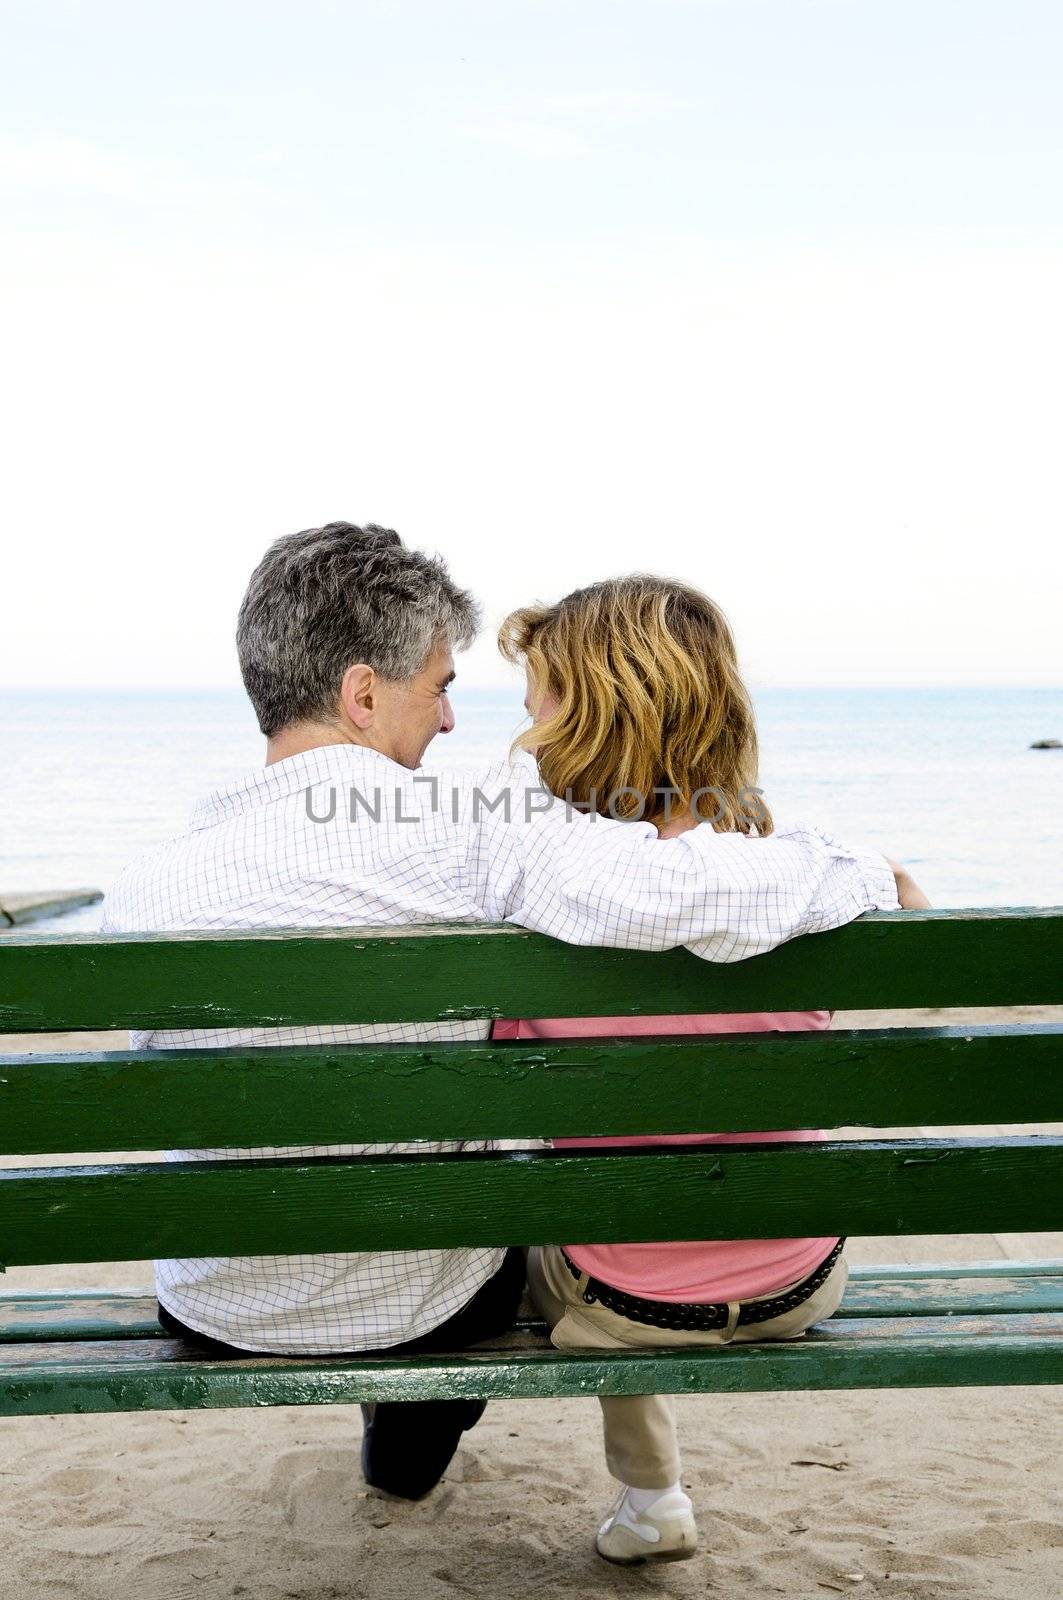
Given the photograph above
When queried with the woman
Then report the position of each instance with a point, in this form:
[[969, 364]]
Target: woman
[[637, 704]]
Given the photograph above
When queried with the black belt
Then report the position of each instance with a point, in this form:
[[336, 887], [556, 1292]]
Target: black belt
[[700, 1316]]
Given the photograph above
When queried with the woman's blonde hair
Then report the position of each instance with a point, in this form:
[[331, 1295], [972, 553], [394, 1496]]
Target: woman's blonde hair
[[649, 697]]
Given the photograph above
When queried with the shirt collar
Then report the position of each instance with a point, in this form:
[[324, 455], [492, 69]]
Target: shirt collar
[[264, 785]]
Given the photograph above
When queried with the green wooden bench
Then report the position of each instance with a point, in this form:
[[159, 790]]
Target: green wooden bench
[[102, 1351]]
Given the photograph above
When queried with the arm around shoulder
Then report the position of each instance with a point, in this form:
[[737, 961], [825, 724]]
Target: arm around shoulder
[[590, 880]]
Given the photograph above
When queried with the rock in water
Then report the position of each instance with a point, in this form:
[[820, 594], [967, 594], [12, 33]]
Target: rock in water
[[1047, 744]]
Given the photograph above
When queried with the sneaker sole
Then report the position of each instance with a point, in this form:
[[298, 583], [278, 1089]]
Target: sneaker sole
[[642, 1558]]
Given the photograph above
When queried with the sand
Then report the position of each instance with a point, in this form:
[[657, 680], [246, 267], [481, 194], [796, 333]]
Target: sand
[[908, 1494]]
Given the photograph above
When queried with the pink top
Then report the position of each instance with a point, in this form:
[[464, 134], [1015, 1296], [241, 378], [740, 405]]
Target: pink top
[[717, 1269]]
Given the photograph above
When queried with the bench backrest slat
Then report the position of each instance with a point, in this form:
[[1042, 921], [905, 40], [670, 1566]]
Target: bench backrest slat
[[885, 959], [328, 1094], [724, 1192]]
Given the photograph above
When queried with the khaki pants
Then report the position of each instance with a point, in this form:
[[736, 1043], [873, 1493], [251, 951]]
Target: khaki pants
[[640, 1439]]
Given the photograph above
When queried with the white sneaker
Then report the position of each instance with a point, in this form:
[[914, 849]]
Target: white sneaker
[[665, 1531]]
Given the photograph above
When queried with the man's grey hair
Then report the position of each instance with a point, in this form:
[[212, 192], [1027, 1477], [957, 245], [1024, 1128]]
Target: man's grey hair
[[321, 600]]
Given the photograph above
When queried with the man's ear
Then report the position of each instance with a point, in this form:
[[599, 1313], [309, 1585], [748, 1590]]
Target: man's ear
[[358, 695]]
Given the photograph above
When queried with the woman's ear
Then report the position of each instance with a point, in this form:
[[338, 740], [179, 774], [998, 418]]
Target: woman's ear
[[357, 695], [539, 703]]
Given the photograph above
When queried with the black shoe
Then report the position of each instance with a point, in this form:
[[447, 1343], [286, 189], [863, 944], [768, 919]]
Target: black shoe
[[417, 1444]]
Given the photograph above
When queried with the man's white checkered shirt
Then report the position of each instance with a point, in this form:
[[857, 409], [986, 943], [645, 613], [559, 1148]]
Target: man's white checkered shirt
[[254, 857]]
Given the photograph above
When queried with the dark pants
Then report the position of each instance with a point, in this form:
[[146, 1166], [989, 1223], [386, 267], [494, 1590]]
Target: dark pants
[[407, 1445]]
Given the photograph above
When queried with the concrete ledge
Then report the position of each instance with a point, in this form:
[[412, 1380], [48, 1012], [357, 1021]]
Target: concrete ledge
[[16, 909]]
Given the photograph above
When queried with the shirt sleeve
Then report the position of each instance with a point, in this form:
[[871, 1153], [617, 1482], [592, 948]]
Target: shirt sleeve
[[592, 881]]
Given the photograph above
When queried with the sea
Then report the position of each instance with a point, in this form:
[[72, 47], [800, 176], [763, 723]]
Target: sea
[[942, 779]]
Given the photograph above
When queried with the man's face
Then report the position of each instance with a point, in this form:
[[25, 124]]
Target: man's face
[[409, 715]]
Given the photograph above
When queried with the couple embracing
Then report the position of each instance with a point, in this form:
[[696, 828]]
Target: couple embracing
[[643, 731]]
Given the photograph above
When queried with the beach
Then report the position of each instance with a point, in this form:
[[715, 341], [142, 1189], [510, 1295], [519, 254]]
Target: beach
[[912, 1494]]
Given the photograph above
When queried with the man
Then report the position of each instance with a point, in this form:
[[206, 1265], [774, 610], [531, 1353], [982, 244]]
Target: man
[[346, 642]]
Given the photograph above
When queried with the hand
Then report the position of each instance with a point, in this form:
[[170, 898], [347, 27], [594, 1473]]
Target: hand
[[909, 893]]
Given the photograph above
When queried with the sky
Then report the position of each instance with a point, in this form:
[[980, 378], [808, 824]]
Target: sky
[[761, 294]]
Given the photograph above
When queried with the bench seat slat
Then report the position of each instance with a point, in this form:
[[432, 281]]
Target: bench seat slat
[[962, 1297], [998, 1289], [713, 1192], [189, 1099], [135, 1375], [59, 1318], [1002, 956]]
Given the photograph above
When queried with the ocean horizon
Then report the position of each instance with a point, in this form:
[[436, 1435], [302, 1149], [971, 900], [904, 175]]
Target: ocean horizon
[[944, 779]]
